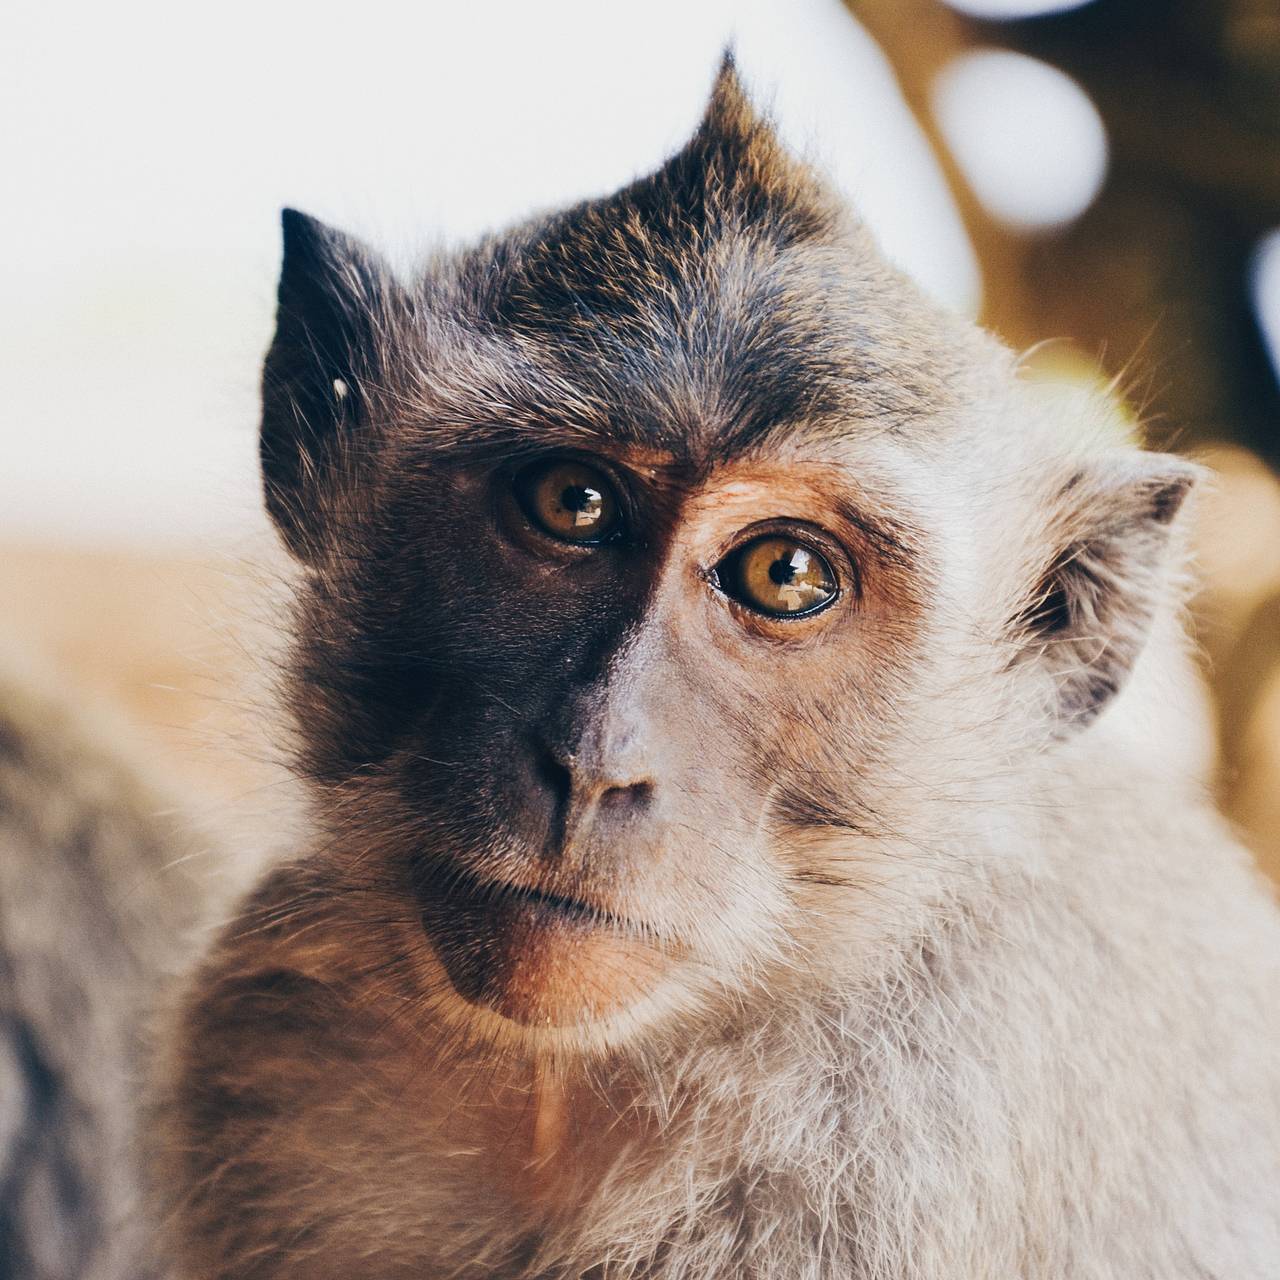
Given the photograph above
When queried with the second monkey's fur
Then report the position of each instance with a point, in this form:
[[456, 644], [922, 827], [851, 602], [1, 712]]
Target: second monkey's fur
[[970, 981]]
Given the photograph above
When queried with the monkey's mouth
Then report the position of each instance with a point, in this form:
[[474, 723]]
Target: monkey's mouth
[[553, 904], [536, 957]]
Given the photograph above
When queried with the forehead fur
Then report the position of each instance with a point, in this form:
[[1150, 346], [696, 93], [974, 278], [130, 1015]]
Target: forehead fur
[[702, 307]]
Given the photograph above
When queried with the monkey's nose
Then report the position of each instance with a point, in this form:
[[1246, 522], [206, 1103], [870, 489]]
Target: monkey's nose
[[589, 785]]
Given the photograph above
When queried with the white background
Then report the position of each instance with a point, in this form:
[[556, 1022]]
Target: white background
[[148, 148]]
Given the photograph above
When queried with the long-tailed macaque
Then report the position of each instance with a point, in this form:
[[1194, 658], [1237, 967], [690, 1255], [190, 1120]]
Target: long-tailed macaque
[[754, 835]]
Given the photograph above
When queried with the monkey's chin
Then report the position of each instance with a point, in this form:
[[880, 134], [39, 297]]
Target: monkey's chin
[[536, 959]]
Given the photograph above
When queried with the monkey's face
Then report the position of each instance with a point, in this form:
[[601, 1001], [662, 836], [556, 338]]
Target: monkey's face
[[656, 576], [629, 676]]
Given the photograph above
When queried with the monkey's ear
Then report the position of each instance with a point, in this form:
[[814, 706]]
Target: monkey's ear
[[1093, 604], [729, 113], [335, 297], [736, 163]]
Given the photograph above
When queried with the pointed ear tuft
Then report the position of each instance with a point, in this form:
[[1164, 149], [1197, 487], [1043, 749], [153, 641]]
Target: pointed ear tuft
[[736, 167], [335, 297], [729, 113], [1093, 605]]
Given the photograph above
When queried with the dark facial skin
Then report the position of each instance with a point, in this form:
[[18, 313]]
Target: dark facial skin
[[583, 761], [578, 743]]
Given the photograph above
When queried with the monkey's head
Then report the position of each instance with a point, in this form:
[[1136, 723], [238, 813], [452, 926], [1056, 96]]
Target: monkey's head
[[677, 583]]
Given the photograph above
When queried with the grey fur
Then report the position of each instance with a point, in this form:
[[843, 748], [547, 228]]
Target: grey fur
[[94, 913]]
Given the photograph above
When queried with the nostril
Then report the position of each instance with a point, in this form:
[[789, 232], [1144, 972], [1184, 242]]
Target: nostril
[[635, 795], [554, 776]]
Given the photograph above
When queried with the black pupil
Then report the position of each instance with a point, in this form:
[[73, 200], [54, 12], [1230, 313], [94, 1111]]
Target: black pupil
[[782, 570], [578, 498]]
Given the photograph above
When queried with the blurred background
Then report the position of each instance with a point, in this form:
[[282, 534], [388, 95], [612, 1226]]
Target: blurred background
[[1098, 180]]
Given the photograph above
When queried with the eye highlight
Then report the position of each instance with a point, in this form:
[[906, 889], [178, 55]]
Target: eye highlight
[[779, 576], [569, 500]]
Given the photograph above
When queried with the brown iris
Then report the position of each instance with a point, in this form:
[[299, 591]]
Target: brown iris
[[780, 576], [569, 500]]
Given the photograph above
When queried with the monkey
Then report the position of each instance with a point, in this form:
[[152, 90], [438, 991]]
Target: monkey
[[756, 823], [97, 908]]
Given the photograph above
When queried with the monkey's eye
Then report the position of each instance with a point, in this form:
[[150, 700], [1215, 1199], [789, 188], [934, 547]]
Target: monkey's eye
[[569, 500], [779, 576]]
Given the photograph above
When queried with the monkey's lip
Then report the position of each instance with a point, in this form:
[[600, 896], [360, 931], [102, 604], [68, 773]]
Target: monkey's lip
[[537, 958]]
